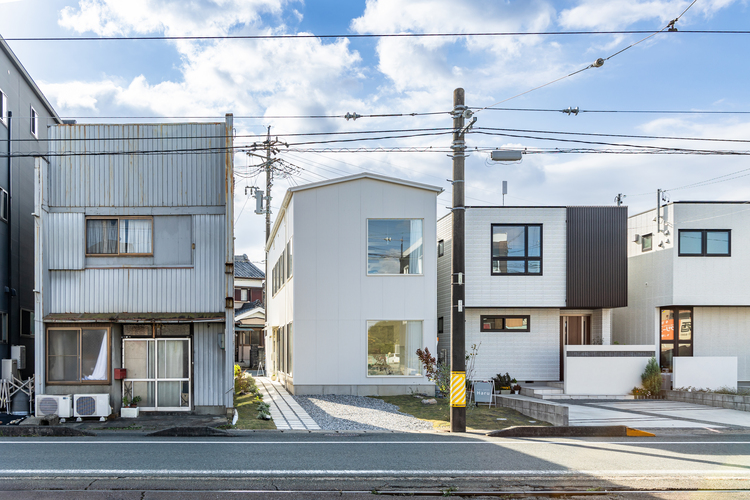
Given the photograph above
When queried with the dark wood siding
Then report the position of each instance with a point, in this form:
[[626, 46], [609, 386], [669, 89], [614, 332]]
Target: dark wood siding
[[597, 260]]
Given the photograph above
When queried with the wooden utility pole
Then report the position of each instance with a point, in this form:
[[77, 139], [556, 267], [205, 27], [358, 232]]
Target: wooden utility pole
[[458, 334]]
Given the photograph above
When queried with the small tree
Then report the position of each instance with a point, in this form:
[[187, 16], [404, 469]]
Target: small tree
[[440, 374], [651, 377]]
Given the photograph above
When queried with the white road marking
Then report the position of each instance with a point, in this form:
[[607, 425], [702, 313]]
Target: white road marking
[[494, 441], [378, 472]]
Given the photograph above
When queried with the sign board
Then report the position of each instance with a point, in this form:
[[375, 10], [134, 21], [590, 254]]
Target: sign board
[[483, 392]]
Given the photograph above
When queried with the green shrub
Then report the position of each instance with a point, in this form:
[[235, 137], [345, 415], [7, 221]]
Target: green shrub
[[651, 377]]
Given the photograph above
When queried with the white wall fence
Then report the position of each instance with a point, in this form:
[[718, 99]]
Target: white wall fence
[[705, 372], [605, 370]]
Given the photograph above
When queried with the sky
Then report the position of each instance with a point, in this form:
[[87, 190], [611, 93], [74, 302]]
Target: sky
[[274, 82]]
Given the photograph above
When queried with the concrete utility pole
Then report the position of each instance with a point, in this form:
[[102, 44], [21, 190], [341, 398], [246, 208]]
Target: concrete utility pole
[[458, 346]]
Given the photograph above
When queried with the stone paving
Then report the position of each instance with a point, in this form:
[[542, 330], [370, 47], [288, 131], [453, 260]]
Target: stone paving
[[287, 414]]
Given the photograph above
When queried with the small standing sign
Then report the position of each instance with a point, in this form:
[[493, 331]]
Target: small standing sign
[[483, 392]]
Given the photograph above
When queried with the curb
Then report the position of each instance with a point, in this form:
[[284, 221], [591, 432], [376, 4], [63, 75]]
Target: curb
[[568, 431], [42, 430], [190, 432]]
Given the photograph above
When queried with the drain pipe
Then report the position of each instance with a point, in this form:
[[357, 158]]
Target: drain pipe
[[9, 288]]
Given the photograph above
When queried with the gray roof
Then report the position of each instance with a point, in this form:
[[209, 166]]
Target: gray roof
[[243, 268]]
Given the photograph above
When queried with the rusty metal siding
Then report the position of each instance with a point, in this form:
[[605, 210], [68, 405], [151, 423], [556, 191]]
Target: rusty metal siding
[[597, 261], [97, 179], [199, 288], [210, 385], [65, 240]]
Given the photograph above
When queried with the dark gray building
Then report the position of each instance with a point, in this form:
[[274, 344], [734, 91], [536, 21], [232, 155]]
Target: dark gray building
[[25, 115]]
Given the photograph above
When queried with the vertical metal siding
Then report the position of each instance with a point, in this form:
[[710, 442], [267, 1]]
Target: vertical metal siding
[[597, 262], [65, 240], [136, 180], [210, 385], [168, 290]]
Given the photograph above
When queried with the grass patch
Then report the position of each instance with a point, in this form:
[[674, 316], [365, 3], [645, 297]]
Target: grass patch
[[246, 404], [480, 418]]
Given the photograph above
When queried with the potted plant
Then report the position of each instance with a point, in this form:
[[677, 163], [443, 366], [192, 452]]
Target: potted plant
[[130, 407], [502, 382]]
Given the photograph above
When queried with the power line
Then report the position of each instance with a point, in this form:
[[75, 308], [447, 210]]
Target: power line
[[302, 36], [627, 136], [257, 117]]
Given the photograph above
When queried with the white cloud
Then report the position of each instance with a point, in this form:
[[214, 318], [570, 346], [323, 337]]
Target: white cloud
[[76, 95]]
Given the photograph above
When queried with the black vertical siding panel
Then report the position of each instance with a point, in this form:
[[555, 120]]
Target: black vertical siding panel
[[597, 261]]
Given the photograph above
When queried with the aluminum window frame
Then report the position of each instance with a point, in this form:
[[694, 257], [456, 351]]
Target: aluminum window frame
[[34, 122], [505, 317], [80, 329], [367, 245], [650, 238], [3, 108], [704, 242], [525, 259], [118, 218]]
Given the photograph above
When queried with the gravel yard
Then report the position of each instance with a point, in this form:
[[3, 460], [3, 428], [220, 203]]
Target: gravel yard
[[358, 413]]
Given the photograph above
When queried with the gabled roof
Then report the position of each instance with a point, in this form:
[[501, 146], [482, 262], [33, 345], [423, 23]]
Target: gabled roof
[[243, 268], [30, 81], [243, 313], [339, 180]]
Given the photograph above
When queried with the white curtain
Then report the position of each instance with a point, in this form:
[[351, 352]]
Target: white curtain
[[135, 236], [100, 369], [415, 247], [101, 236], [413, 342]]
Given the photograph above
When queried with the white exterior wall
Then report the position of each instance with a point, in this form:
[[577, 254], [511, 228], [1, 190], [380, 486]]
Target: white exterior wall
[[660, 278], [445, 233], [605, 375], [485, 290], [533, 355], [280, 307], [333, 297]]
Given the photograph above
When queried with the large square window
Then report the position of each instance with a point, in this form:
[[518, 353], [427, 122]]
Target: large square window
[[705, 242], [119, 236], [394, 246], [392, 348], [78, 355], [516, 249]]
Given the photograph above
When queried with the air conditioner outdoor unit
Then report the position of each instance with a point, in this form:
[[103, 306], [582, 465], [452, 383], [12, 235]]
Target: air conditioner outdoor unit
[[91, 405], [47, 404]]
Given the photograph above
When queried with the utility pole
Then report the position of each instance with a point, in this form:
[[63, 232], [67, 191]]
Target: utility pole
[[618, 199], [458, 334], [658, 210]]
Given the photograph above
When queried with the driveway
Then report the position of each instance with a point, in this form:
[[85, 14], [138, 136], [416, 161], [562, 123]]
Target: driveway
[[654, 414]]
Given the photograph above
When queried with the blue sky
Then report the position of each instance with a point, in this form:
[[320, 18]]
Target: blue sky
[[671, 71]]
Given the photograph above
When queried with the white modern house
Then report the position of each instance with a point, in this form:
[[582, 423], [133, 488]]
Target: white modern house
[[688, 275], [541, 285], [351, 295], [134, 246]]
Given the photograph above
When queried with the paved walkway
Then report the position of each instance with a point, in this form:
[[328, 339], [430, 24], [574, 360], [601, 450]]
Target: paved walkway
[[655, 414], [285, 411]]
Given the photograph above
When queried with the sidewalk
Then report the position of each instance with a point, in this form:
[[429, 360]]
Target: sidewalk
[[286, 413]]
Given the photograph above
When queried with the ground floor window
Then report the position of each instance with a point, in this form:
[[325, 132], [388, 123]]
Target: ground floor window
[[392, 347], [676, 334], [158, 370], [78, 355]]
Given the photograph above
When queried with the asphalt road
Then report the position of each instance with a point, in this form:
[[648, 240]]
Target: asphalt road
[[295, 464]]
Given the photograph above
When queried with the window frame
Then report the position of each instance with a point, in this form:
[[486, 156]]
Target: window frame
[[419, 369], [504, 317], [4, 333], [525, 259], [118, 218], [650, 237], [704, 242], [4, 197], [79, 329], [440, 324], [441, 248], [367, 245], [3, 108], [31, 322], [34, 122], [675, 335]]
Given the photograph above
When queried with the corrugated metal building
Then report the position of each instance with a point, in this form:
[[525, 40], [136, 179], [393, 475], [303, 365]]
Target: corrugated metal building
[[135, 255]]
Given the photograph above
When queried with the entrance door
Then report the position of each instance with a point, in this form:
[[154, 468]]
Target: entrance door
[[574, 330], [158, 372]]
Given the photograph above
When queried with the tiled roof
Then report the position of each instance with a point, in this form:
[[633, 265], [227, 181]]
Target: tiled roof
[[248, 306], [243, 268]]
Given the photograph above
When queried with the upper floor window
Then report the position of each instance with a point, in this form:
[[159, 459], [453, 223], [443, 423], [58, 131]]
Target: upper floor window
[[441, 248], [34, 122], [516, 249], [3, 205], [3, 108], [394, 246], [123, 236], [705, 242], [646, 242]]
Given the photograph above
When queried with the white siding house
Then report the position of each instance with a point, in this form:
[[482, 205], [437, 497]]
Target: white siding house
[[134, 281], [688, 284], [352, 293], [537, 279]]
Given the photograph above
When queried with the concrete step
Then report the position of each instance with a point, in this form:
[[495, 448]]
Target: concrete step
[[559, 385], [539, 392]]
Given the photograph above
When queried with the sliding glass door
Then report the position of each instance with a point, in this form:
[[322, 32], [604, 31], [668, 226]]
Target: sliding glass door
[[158, 370]]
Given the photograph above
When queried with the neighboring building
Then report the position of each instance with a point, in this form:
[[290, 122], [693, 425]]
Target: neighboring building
[[27, 131], [248, 282], [688, 278], [135, 250], [352, 292], [537, 279], [249, 338]]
